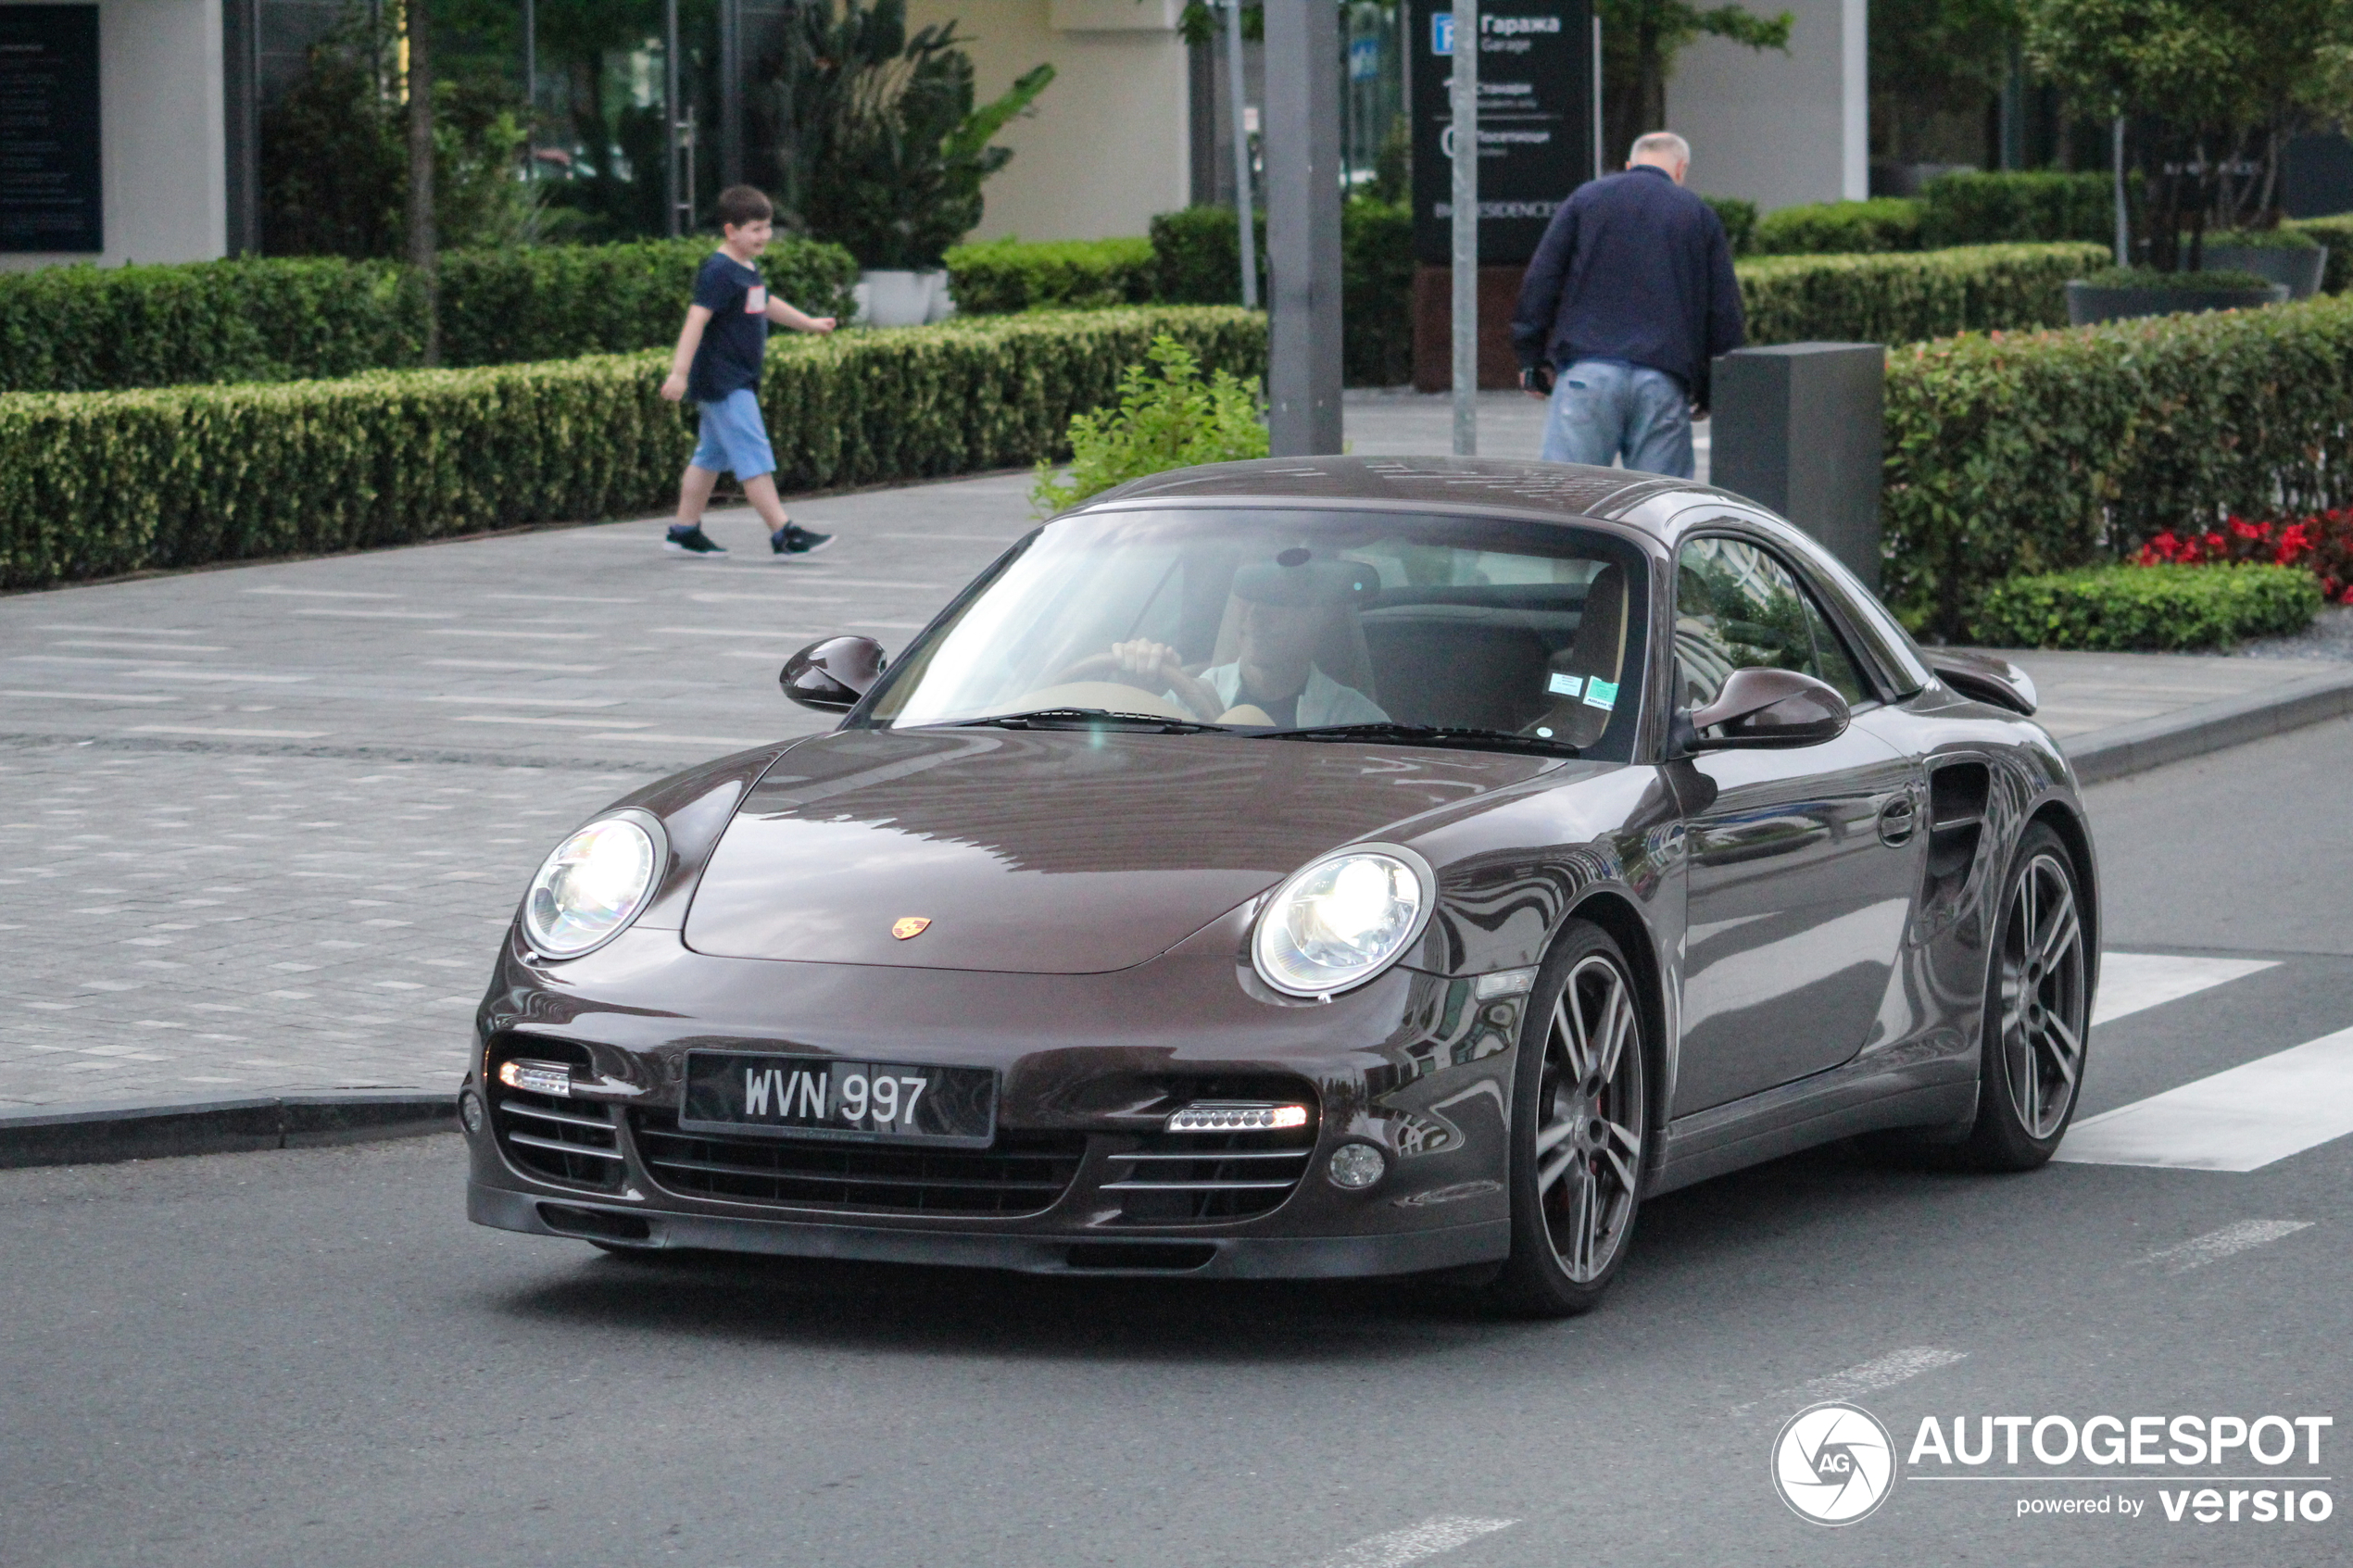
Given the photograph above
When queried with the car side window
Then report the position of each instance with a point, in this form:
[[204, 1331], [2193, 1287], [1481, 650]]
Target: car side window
[[1739, 607]]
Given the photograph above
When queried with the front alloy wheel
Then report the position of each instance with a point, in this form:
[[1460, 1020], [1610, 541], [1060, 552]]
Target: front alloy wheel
[[1580, 1120], [2036, 1003]]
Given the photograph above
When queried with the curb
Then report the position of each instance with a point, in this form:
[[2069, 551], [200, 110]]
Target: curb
[[100, 1132], [2124, 749]]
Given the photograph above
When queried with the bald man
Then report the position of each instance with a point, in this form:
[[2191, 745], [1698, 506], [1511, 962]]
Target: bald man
[[1631, 295]]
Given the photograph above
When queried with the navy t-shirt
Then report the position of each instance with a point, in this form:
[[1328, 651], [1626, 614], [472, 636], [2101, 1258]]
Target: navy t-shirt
[[736, 336]]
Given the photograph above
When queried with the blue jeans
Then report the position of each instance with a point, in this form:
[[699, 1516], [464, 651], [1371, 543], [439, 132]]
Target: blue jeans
[[1603, 408]]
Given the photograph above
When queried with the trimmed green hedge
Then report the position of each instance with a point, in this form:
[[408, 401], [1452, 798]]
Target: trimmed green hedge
[[1739, 218], [553, 302], [92, 329], [2044, 451], [1198, 261], [1002, 275], [2117, 608], [1840, 228], [1908, 296], [93, 485], [1197, 255], [2017, 207], [1376, 293], [87, 329]]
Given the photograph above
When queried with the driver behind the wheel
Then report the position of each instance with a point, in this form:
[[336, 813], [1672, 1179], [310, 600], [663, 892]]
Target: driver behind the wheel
[[1282, 611]]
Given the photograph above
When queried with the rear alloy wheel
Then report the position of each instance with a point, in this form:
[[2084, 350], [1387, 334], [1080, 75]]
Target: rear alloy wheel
[[2037, 1006], [1580, 1120]]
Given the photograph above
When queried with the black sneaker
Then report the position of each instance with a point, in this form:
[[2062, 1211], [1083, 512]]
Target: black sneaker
[[794, 539], [693, 542]]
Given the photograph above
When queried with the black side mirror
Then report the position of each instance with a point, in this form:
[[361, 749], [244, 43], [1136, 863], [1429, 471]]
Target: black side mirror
[[1768, 708], [832, 674]]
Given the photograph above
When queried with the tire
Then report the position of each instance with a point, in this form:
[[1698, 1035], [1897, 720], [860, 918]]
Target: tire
[[2038, 1011], [1580, 1129]]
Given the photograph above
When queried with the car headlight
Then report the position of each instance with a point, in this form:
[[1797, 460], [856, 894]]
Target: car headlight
[[593, 886], [1341, 920]]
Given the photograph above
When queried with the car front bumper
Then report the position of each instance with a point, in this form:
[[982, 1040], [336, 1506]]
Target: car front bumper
[[1411, 1063]]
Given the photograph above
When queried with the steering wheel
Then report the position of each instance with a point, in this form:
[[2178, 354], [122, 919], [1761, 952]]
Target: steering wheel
[[1107, 667]]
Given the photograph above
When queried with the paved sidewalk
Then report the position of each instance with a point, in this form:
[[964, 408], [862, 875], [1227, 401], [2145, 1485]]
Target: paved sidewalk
[[261, 826]]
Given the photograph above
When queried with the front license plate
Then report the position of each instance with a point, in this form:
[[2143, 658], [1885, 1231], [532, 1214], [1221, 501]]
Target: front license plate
[[823, 1096]]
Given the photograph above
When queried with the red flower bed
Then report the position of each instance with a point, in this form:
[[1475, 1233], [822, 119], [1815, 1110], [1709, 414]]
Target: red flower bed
[[2321, 543]]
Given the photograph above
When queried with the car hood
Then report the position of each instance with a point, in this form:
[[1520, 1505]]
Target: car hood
[[1047, 852]]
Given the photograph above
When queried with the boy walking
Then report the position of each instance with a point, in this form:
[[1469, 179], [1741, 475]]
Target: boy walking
[[717, 363]]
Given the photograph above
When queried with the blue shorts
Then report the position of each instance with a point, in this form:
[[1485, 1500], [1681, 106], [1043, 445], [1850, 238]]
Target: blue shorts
[[735, 438]]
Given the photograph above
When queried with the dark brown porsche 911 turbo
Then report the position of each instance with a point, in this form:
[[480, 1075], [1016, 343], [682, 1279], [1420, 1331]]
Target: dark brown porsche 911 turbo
[[1315, 867]]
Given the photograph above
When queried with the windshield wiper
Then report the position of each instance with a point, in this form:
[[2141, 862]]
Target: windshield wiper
[[1062, 718], [1423, 734]]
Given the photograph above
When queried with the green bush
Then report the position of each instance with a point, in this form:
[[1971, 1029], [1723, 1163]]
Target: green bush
[[552, 302], [1197, 252], [1198, 263], [92, 485], [87, 329], [2017, 207], [1739, 218], [1908, 296], [2282, 238], [1377, 293], [2117, 608], [2043, 451], [1169, 419], [92, 329], [2337, 234], [1003, 275], [1840, 228], [2210, 281]]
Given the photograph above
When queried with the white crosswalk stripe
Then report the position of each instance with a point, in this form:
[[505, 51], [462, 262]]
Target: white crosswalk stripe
[[2132, 982], [2243, 1119]]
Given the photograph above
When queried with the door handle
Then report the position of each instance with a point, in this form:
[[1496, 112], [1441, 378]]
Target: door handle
[[1898, 820]]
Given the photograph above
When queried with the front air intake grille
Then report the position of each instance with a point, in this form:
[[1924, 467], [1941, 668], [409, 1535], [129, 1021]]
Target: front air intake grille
[[1019, 1173], [1175, 1178], [570, 1141]]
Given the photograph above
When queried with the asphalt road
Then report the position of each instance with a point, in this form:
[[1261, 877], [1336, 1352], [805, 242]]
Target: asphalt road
[[310, 1358]]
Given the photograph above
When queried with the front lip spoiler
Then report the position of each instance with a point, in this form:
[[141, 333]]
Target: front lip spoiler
[[1230, 1257]]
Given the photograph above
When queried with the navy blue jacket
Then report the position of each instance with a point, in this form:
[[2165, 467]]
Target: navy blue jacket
[[1634, 267]]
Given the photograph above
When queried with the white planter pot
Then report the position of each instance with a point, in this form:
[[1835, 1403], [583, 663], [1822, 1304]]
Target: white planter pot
[[942, 304], [892, 299]]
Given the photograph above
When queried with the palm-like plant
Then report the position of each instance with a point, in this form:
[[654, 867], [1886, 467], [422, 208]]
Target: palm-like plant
[[881, 148]]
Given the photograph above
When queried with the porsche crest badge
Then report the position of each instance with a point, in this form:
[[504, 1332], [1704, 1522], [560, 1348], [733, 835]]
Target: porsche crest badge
[[909, 926]]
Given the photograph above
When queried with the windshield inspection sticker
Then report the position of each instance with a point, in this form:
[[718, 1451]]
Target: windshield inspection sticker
[[1601, 693], [1564, 686]]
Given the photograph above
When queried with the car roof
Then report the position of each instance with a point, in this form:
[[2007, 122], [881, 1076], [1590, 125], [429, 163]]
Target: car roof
[[1570, 492]]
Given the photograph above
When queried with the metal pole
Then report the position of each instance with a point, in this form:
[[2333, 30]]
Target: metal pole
[[530, 90], [2123, 222], [1598, 154], [1301, 119], [731, 92], [669, 112], [1244, 205], [1465, 197]]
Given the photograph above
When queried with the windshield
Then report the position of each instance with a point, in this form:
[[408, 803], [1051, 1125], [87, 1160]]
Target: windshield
[[1272, 622]]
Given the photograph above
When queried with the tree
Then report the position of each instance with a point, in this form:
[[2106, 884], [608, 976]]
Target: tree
[[882, 148], [1935, 63], [1640, 41], [2207, 90]]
